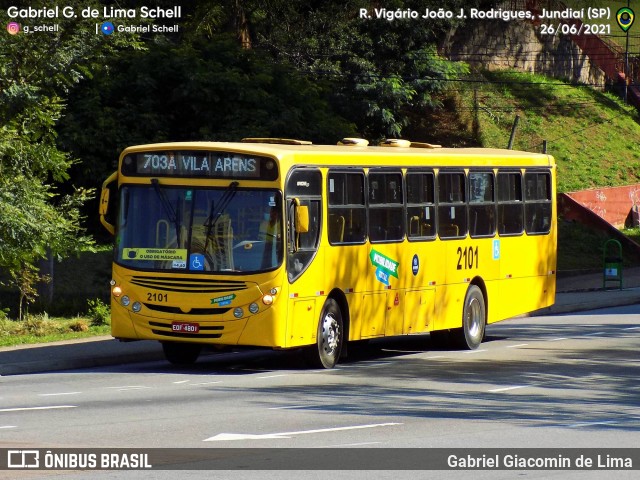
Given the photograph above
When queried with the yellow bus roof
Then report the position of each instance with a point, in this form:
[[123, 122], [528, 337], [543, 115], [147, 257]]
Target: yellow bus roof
[[364, 155]]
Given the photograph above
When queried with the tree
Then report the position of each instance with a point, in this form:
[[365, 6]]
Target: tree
[[37, 72], [201, 89], [377, 70]]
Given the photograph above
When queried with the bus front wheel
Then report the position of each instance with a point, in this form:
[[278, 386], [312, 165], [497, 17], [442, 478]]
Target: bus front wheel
[[181, 353], [329, 338], [474, 319]]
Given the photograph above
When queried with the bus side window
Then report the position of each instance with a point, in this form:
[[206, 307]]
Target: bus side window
[[303, 189], [421, 212], [336, 228], [452, 208], [537, 202], [385, 206], [482, 218], [510, 204], [346, 206]]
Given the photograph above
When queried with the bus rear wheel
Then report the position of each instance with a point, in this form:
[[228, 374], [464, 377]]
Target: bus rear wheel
[[181, 353], [474, 320], [329, 338]]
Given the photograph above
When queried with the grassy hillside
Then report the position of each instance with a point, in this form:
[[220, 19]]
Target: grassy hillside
[[592, 134]]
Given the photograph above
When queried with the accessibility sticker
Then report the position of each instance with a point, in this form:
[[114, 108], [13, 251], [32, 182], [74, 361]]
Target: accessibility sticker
[[154, 254], [385, 266]]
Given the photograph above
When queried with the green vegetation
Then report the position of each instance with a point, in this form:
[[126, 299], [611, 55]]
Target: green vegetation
[[591, 134], [41, 328]]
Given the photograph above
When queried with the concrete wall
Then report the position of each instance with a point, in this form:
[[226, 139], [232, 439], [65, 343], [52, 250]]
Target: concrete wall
[[613, 204], [496, 44]]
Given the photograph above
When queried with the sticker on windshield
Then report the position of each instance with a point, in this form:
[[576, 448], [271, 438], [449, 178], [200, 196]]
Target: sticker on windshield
[[154, 254], [179, 264], [196, 261]]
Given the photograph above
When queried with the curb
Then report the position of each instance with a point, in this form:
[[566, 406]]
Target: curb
[[74, 354], [106, 351], [572, 302]]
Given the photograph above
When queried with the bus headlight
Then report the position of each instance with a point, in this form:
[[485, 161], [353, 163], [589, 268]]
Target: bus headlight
[[253, 308], [117, 291], [136, 307], [238, 312], [125, 301], [267, 299]]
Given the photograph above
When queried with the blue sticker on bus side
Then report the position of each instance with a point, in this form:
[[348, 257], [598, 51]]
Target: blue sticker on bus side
[[382, 276], [415, 265], [496, 249], [196, 261]]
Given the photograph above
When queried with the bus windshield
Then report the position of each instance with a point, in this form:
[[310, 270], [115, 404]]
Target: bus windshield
[[195, 230]]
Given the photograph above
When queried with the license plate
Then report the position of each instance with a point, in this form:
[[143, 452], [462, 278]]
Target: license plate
[[185, 327]]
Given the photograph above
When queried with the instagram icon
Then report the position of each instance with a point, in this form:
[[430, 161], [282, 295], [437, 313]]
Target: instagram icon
[[13, 28]]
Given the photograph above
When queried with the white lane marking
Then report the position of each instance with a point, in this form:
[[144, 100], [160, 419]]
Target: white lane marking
[[182, 381], [366, 365], [125, 388], [7, 426], [471, 352], [24, 409], [506, 389], [435, 356], [204, 383], [275, 376], [273, 436], [631, 328], [558, 339], [353, 444], [519, 345], [593, 334], [57, 394], [289, 407], [589, 424]]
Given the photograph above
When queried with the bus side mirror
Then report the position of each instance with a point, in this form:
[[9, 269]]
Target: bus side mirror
[[302, 219], [104, 203]]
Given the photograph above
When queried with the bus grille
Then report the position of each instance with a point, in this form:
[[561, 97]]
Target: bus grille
[[193, 311], [189, 285]]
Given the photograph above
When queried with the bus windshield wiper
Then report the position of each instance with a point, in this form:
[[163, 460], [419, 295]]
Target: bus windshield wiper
[[216, 212], [168, 208]]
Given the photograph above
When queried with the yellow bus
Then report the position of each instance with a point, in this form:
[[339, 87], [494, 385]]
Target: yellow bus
[[284, 244]]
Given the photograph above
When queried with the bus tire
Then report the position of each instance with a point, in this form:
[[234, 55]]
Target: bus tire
[[474, 320], [329, 337], [181, 353]]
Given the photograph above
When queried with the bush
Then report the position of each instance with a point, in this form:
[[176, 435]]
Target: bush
[[38, 325], [99, 312], [79, 326]]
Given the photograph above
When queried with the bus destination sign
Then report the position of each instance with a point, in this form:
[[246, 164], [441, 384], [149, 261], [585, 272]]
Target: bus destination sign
[[205, 164]]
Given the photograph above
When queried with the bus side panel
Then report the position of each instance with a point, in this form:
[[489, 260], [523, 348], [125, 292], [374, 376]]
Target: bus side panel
[[418, 313], [526, 266], [466, 260], [307, 295], [373, 310], [347, 268], [382, 312], [301, 318]]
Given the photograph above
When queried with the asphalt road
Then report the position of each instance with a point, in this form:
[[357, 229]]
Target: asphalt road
[[549, 382]]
